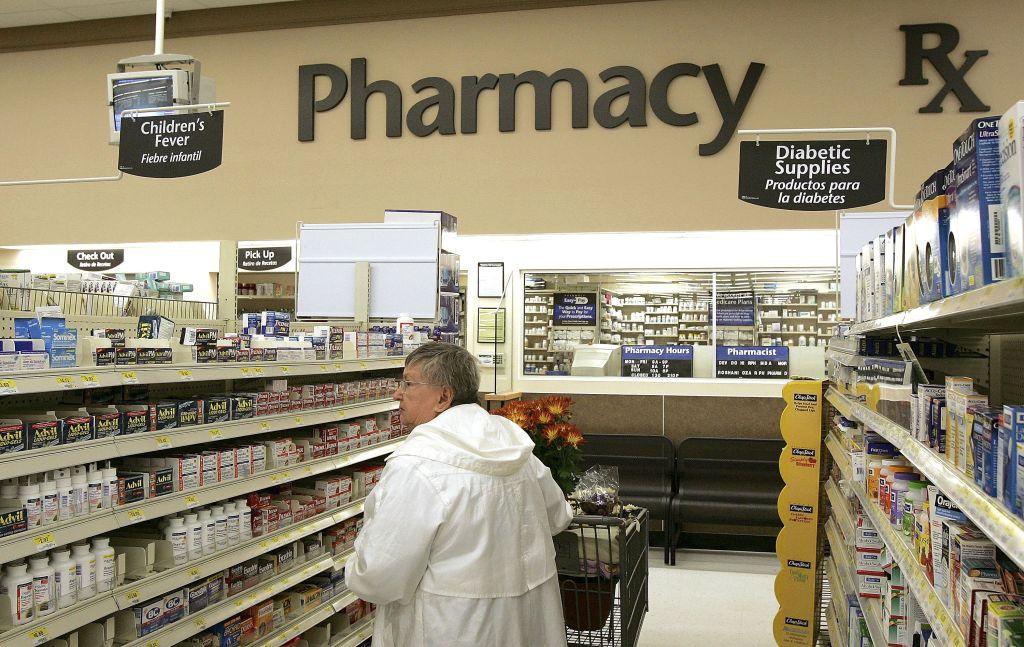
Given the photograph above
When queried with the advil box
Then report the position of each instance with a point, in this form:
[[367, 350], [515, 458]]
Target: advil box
[[931, 231], [1011, 175], [977, 241]]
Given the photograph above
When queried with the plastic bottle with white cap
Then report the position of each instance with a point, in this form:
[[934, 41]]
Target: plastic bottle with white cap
[[80, 493], [65, 578], [85, 569], [51, 502], [244, 519], [106, 563], [17, 586], [44, 592], [33, 502], [65, 499]]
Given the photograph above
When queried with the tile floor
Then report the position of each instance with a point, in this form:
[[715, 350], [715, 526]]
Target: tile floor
[[711, 598]]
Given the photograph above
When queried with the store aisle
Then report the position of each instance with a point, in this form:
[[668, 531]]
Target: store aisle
[[711, 598]]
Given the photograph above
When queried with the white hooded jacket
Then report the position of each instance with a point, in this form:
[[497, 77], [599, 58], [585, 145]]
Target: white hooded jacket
[[456, 542]]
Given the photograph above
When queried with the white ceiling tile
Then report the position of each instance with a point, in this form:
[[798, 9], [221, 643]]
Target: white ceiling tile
[[41, 17]]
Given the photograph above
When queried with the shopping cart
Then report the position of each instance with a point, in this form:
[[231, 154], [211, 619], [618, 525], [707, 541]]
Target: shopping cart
[[602, 574]]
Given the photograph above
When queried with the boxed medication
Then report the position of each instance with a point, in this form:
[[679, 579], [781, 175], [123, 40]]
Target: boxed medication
[[12, 436], [977, 228], [931, 233], [1011, 173]]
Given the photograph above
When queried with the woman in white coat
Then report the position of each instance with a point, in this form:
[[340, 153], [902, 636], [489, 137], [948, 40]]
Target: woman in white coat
[[456, 546]]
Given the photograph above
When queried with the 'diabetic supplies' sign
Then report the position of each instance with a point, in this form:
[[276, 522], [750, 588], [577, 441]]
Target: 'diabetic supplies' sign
[[657, 361], [752, 362], [575, 309], [812, 175], [171, 145], [734, 310]]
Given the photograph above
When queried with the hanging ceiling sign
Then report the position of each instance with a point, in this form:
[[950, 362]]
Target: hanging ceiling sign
[[263, 259], [95, 260], [171, 145], [812, 175]]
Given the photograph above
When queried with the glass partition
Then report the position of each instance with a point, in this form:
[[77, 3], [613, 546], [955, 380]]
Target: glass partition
[[656, 324]]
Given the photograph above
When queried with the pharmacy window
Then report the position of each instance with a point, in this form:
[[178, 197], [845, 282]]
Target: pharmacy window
[[669, 324]]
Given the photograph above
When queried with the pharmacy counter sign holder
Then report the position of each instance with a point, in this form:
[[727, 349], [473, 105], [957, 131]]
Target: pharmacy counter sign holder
[[158, 143]]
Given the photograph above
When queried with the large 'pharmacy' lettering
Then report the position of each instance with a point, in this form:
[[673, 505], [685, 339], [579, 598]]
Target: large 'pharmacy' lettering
[[624, 103]]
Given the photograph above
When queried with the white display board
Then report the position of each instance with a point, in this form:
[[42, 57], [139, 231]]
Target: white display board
[[403, 261]]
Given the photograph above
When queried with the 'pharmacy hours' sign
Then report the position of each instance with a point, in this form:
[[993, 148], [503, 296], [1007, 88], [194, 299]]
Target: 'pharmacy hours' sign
[[812, 175], [752, 362], [171, 145], [657, 361]]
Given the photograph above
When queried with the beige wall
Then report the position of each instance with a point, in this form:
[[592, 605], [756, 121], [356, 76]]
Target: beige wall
[[828, 63]]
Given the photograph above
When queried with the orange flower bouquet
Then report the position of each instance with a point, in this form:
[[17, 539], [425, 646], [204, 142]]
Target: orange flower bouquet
[[556, 440]]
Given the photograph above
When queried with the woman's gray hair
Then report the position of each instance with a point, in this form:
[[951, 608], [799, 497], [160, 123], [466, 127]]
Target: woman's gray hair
[[449, 365]]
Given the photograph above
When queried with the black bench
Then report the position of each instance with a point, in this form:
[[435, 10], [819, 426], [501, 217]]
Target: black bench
[[646, 467], [731, 485]]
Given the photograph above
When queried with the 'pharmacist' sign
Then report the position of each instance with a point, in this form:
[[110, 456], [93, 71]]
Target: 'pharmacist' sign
[[752, 362], [812, 175], [171, 145]]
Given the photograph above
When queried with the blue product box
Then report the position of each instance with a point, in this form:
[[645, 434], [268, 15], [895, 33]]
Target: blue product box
[[985, 440], [63, 358], [26, 328], [1006, 463], [1011, 156], [977, 239], [1013, 418], [931, 232]]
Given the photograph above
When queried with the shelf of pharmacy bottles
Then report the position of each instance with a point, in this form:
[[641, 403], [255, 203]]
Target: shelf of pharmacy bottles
[[998, 523], [913, 573], [192, 624], [998, 307], [841, 510], [67, 532], [356, 634], [297, 626], [35, 461], [130, 593], [88, 377]]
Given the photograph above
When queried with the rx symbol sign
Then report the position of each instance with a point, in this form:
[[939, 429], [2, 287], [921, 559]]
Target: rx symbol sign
[[953, 77]]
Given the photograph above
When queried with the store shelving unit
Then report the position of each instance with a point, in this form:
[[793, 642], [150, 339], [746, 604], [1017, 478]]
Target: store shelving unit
[[356, 634], [1000, 525], [39, 460], [86, 377], [194, 623], [46, 537], [162, 582], [995, 308]]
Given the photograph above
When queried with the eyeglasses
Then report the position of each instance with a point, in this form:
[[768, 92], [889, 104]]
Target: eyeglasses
[[403, 385]]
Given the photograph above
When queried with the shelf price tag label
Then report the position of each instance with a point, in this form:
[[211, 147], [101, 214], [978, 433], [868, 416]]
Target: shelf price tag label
[[163, 442], [90, 381], [193, 572], [131, 596], [265, 543], [298, 420], [129, 377], [136, 515], [191, 500], [153, 643], [362, 364], [185, 375], [323, 368], [65, 382], [338, 366], [307, 470], [45, 541], [264, 426], [215, 434], [39, 635], [246, 371], [200, 623], [257, 371], [8, 386], [284, 369]]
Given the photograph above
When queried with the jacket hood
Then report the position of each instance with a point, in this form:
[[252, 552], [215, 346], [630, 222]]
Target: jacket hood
[[468, 437]]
